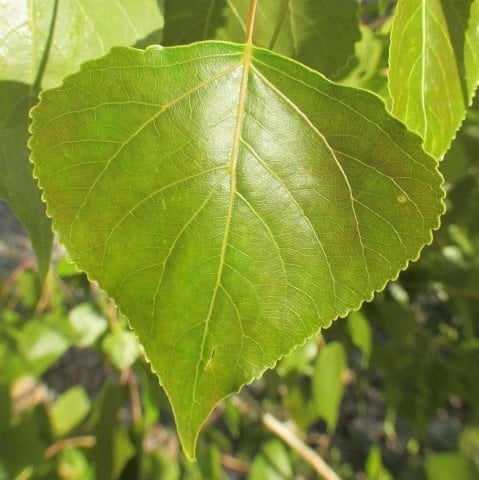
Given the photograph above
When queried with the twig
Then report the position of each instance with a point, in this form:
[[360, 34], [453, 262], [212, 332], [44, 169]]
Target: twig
[[135, 398], [307, 453], [76, 442], [12, 278], [232, 463], [247, 404]]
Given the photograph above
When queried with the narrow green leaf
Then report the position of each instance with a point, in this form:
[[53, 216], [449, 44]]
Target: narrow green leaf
[[231, 201], [17, 185], [113, 448], [42, 41], [361, 334], [375, 469], [318, 33], [272, 463], [434, 67], [69, 410], [328, 383]]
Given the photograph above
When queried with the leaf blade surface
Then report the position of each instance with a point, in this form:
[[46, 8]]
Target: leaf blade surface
[[228, 202]]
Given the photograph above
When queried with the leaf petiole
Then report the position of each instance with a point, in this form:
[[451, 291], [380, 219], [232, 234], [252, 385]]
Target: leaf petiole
[[250, 24]]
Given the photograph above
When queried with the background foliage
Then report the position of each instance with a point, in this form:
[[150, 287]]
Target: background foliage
[[391, 392]]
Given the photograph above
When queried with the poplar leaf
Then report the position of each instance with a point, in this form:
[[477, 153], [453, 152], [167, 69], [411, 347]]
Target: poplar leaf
[[231, 201]]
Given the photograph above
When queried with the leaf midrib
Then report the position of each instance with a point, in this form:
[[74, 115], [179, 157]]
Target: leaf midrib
[[232, 163]]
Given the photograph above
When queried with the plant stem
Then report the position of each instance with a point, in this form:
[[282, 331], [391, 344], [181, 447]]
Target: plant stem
[[86, 441], [234, 464], [250, 24], [279, 24], [135, 398], [307, 453]]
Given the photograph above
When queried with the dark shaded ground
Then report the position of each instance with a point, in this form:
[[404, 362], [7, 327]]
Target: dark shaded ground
[[15, 246]]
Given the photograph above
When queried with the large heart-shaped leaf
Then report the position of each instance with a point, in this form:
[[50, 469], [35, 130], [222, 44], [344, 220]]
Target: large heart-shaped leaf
[[42, 41], [319, 33], [231, 201], [434, 64]]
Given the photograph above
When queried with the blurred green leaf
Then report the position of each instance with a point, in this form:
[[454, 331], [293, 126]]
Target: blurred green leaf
[[41, 345], [74, 465], [69, 410], [87, 324], [366, 69], [23, 445], [66, 269], [272, 463], [374, 465], [447, 466], [361, 335], [114, 447], [122, 348], [328, 383], [5, 407], [299, 359]]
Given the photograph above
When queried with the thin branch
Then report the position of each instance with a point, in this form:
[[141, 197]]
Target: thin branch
[[305, 452], [76, 442], [234, 464], [135, 398], [12, 278]]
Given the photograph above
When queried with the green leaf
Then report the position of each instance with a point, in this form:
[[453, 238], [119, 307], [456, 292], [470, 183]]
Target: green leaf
[[43, 41], [361, 335], [375, 469], [17, 185], [40, 43], [231, 202], [328, 383], [434, 67], [41, 345], [113, 448], [122, 348], [318, 33], [443, 466], [69, 410], [87, 324], [272, 463]]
